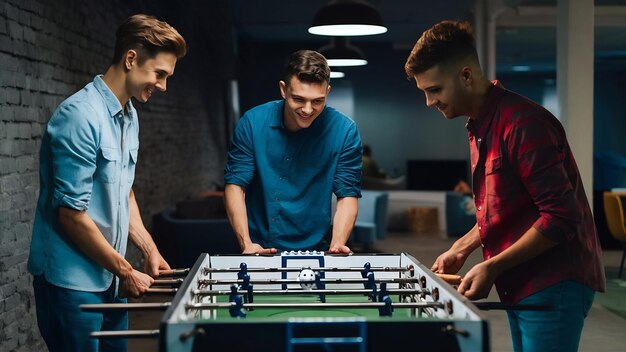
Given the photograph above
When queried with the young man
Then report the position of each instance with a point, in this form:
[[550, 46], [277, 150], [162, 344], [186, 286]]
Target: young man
[[534, 224], [86, 209], [287, 157]]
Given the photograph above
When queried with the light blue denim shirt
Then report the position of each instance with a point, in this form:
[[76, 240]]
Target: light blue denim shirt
[[86, 165], [290, 177]]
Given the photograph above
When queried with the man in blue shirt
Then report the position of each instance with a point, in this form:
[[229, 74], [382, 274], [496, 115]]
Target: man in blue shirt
[[287, 158], [87, 210]]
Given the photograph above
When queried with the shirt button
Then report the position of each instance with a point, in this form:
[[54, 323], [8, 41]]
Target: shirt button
[[473, 166], [480, 228], [480, 207], [480, 140], [277, 199], [288, 158]]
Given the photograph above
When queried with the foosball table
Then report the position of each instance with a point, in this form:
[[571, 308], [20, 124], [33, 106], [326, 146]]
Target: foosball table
[[312, 301]]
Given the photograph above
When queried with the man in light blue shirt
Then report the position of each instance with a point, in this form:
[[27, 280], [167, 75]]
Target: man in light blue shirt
[[287, 158], [87, 210]]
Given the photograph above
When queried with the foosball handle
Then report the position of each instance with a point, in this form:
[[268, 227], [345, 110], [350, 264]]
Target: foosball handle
[[453, 280]]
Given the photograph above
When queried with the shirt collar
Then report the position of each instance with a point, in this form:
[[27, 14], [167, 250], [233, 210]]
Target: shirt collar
[[480, 125], [113, 105], [277, 118]]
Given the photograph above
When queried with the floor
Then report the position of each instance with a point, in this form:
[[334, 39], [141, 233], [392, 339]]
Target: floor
[[604, 331]]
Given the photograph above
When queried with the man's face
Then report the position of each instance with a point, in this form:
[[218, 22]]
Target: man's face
[[304, 102], [443, 90], [143, 80]]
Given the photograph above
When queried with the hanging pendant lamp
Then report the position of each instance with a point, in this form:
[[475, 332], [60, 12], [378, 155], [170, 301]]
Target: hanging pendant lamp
[[347, 18]]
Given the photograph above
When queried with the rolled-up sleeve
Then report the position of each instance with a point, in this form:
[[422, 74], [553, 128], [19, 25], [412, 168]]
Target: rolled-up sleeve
[[347, 180], [537, 152], [239, 169], [74, 152]]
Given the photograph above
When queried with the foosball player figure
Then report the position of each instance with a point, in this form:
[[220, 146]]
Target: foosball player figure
[[236, 310]]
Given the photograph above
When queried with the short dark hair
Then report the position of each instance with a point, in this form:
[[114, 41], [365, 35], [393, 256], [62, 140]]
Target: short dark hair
[[309, 66], [148, 36], [445, 43]]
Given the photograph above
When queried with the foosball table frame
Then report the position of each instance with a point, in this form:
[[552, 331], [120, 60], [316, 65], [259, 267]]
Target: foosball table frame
[[449, 322]]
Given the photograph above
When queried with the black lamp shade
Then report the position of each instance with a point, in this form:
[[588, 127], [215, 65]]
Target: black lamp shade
[[347, 18]]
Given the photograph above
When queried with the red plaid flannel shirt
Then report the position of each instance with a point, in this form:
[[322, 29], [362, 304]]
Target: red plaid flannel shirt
[[524, 175]]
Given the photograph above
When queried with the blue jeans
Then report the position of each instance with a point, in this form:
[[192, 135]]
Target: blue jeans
[[64, 327], [556, 330]]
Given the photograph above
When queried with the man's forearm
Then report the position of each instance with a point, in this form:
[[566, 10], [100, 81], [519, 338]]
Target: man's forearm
[[235, 199], [137, 232], [84, 232], [343, 223], [468, 243]]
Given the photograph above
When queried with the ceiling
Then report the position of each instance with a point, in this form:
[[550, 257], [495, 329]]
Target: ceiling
[[522, 37]]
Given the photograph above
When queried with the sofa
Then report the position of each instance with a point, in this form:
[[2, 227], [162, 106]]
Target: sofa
[[371, 222], [181, 241]]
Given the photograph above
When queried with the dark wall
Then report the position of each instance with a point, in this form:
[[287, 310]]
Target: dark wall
[[49, 50]]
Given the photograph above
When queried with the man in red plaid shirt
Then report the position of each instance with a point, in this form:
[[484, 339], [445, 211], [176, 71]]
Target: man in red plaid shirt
[[533, 221]]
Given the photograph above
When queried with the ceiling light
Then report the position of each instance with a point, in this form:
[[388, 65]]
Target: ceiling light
[[337, 74], [347, 18], [341, 53]]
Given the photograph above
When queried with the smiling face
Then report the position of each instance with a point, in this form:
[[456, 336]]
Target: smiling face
[[304, 102], [447, 91], [144, 78]]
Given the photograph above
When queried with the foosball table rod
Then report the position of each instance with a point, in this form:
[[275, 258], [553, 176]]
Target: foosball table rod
[[311, 292], [125, 334], [159, 290], [415, 305], [296, 281], [125, 306], [207, 270]]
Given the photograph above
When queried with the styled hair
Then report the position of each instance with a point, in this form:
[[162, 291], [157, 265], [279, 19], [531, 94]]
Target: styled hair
[[149, 37], [309, 66], [444, 44]]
